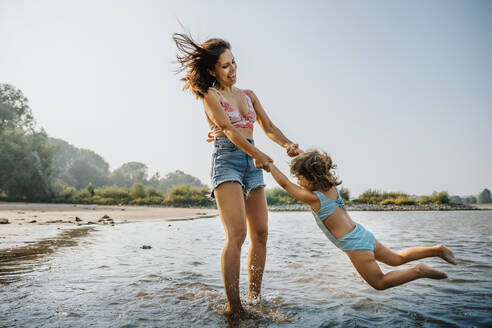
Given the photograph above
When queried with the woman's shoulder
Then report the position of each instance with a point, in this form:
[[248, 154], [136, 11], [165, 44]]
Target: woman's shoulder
[[250, 94], [249, 91], [212, 94]]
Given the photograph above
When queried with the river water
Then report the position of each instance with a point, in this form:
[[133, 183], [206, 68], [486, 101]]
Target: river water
[[99, 276]]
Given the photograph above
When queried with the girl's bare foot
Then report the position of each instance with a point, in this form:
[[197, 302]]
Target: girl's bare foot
[[429, 272], [446, 254]]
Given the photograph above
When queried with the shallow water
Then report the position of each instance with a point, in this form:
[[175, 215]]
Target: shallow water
[[101, 277]]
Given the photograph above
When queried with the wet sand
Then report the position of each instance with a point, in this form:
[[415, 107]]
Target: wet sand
[[31, 221]]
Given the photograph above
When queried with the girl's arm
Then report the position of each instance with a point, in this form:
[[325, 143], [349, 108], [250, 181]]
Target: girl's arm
[[294, 190], [214, 111], [270, 129]]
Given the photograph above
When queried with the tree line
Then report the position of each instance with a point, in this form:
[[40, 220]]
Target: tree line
[[278, 196], [35, 167]]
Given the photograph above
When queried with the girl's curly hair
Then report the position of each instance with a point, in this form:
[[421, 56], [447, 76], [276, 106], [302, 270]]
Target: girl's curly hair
[[197, 60], [316, 167]]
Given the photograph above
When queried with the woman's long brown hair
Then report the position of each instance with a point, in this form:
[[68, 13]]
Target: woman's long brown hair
[[197, 61]]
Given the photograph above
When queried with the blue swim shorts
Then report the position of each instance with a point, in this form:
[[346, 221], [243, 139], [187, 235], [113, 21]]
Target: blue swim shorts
[[230, 163], [358, 239]]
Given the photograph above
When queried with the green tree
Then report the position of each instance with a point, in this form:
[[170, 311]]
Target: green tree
[[484, 197], [90, 189], [137, 191], [172, 180], [129, 174], [455, 200], [77, 167], [440, 198], [25, 154], [154, 180], [470, 200], [14, 109], [25, 165], [345, 193]]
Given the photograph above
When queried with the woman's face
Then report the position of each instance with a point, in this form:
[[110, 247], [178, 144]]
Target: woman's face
[[225, 69]]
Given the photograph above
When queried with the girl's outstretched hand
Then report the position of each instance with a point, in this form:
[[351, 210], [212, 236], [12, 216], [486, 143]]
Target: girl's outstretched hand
[[293, 150], [262, 162]]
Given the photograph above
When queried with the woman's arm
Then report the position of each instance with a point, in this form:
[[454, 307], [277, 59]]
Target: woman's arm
[[216, 114], [270, 129], [294, 190]]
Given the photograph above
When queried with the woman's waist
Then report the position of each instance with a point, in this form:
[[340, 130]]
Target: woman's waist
[[225, 144], [217, 133]]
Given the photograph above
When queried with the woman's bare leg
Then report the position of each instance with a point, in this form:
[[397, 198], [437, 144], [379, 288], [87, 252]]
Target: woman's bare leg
[[230, 202], [257, 219], [365, 263], [385, 255]]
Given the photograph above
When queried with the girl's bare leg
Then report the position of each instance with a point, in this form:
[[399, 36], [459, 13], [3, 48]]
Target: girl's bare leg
[[230, 202], [365, 263], [385, 255], [257, 219]]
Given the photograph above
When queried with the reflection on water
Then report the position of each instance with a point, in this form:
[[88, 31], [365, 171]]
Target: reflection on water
[[107, 280], [14, 262]]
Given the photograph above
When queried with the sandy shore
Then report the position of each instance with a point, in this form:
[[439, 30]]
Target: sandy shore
[[30, 221], [483, 206]]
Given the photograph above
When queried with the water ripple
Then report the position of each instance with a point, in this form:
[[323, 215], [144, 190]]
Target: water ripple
[[105, 278]]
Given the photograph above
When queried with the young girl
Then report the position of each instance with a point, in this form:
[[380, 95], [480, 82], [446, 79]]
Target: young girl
[[317, 188]]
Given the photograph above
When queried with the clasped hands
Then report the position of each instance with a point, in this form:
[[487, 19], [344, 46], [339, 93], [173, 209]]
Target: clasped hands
[[263, 160]]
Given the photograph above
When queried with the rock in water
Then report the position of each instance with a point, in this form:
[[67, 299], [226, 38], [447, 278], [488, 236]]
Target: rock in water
[[145, 247], [4, 221]]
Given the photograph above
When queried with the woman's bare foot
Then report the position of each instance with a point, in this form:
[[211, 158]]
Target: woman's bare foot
[[239, 315], [429, 272], [446, 254], [235, 311]]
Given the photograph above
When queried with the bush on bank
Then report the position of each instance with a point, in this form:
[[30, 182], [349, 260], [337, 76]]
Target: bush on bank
[[376, 197], [138, 194], [278, 196], [186, 196]]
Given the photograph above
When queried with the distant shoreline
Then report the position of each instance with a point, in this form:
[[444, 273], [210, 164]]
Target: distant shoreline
[[31, 221], [28, 222], [389, 207]]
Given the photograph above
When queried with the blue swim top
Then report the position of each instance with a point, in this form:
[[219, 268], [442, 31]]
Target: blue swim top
[[358, 239], [328, 206]]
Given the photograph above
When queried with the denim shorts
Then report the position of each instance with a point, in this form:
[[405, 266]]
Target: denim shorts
[[230, 163]]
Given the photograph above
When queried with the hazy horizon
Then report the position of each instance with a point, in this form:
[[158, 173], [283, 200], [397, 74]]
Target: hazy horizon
[[398, 93]]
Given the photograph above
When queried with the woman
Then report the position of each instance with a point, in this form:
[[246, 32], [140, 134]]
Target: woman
[[237, 178]]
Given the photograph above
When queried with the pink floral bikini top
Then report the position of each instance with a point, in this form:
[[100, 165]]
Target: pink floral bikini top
[[236, 118]]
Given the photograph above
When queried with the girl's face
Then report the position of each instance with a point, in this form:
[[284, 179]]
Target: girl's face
[[303, 182], [225, 69]]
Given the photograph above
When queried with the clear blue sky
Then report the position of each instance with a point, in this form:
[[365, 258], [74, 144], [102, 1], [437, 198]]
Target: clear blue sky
[[399, 93]]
